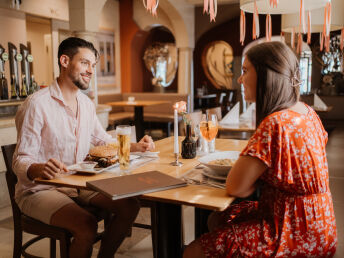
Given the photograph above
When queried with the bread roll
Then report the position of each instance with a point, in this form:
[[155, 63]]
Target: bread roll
[[103, 151]]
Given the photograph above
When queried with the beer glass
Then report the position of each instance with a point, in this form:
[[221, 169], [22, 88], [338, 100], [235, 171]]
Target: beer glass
[[123, 137]]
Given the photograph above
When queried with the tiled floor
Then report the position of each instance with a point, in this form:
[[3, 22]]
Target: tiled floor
[[140, 246]]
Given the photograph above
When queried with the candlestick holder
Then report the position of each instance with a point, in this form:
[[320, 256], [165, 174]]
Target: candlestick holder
[[176, 163]]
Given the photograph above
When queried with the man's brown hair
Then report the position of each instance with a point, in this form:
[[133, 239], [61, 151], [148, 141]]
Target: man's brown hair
[[278, 77]]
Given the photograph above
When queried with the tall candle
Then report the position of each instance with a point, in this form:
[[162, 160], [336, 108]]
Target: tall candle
[[176, 147]]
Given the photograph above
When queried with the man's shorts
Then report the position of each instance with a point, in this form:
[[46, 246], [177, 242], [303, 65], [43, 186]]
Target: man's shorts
[[43, 204]]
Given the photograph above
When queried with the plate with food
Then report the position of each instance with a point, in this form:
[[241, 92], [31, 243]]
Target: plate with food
[[100, 159], [220, 162], [212, 174]]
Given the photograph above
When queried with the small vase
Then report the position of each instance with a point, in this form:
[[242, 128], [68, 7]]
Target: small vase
[[188, 145]]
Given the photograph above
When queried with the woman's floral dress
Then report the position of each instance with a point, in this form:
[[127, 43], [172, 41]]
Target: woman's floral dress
[[294, 216]]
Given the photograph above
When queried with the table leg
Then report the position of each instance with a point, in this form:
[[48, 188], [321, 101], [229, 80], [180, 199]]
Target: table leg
[[201, 221], [138, 117], [169, 227]]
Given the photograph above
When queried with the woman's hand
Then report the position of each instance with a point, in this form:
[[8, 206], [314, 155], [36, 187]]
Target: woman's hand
[[47, 170], [145, 144]]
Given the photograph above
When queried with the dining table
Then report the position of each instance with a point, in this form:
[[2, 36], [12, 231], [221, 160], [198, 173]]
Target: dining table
[[168, 203], [138, 111]]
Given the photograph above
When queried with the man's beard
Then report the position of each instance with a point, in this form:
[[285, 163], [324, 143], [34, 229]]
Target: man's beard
[[80, 84]]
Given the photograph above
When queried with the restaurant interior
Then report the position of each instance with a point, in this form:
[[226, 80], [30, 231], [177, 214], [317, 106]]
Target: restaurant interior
[[151, 61]]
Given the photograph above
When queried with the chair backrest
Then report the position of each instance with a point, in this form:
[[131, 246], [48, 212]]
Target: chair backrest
[[215, 111], [11, 178]]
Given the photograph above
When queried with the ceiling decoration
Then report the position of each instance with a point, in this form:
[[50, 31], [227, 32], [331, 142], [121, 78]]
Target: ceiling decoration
[[296, 7], [210, 7], [151, 6], [281, 6], [290, 21]]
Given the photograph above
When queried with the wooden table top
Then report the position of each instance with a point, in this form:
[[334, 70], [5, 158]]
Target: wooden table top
[[138, 103], [241, 127], [194, 195]]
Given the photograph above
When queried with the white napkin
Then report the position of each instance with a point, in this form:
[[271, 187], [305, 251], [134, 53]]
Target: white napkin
[[248, 114], [318, 103], [232, 117]]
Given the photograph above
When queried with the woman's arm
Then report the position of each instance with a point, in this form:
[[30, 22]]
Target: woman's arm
[[243, 176]]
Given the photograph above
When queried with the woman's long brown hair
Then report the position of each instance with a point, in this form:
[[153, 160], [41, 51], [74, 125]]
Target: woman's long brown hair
[[278, 77]]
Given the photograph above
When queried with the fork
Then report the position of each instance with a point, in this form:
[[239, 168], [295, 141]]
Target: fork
[[200, 182]]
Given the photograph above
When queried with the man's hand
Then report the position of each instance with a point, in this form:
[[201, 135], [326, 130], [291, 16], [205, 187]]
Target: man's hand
[[145, 144], [47, 170]]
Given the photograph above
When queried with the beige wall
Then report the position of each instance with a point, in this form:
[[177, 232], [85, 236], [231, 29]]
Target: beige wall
[[109, 21], [38, 33], [57, 9], [12, 29]]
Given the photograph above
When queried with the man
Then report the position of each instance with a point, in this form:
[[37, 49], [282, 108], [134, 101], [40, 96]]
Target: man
[[55, 128]]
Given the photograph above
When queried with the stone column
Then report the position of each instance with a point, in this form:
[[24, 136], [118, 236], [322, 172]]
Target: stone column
[[83, 22], [185, 74]]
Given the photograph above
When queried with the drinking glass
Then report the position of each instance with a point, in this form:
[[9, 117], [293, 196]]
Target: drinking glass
[[123, 138], [209, 127]]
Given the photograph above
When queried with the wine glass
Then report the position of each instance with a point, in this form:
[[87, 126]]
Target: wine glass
[[209, 127]]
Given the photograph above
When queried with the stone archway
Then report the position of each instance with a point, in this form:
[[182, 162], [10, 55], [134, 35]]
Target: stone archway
[[178, 17]]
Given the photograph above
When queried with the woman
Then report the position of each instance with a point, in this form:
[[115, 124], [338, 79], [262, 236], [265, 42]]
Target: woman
[[286, 157]]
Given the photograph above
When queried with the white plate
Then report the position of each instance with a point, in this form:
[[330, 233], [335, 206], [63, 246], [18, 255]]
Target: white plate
[[211, 174], [78, 168], [219, 169], [146, 153]]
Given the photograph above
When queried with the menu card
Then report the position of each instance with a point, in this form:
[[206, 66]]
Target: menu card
[[134, 185]]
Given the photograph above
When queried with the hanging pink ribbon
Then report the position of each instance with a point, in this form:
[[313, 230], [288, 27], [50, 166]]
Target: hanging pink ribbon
[[255, 30], [242, 27], [268, 28], [273, 3], [302, 17], [328, 19], [299, 43], [293, 39], [341, 39], [325, 39], [321, 41], [309, 26], [151, 6], [327, 43], [210, 6]]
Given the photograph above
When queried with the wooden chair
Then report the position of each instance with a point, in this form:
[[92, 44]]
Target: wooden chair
[[23, 223], [215, 111]]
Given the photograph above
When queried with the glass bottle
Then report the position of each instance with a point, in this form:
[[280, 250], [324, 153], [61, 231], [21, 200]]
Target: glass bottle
[[3, 87], [14, 93], [188, 145], [23, 93], [33, 85]]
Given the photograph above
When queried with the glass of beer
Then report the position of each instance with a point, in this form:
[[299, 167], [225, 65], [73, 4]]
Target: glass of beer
[[123, 138], [209, 127]]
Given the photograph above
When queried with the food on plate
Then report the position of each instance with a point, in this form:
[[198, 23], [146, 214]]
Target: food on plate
[[222, 162], [105, 155]]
